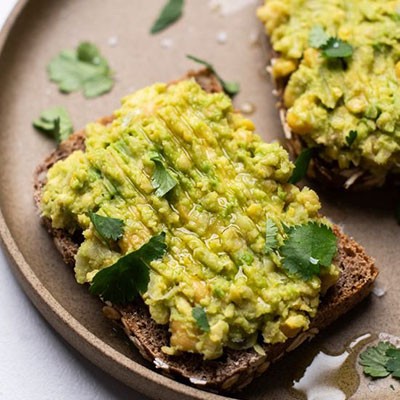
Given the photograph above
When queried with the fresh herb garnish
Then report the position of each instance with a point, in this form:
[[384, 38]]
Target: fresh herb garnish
[[84, 68], [301, 165], [55, 122], [108, 228], [200, 316], [317, 37], [331, 47], [121, 282], [381, 360], [336, 48], [161, 180], [307, 248], [171, 12], [271, 240], [351, 137], [230, 88], [393, 365]]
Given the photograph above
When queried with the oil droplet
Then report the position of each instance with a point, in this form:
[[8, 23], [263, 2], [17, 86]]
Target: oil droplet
[[319, 379], [332, 377], [378, 290], [247, 108]]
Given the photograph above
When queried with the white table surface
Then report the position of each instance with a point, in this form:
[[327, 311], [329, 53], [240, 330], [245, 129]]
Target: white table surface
[[35, 362]]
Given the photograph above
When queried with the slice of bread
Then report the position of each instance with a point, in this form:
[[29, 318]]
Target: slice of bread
[[329, 173], [237, 368], [326, 172]]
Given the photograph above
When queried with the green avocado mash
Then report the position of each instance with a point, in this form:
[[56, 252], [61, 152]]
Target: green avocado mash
[[327, 98], [216, 285]]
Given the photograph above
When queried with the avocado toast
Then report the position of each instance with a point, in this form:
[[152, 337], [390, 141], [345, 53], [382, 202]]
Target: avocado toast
[[337, 72], [174, 349]]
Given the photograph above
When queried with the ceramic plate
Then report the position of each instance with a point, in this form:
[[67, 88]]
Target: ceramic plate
[[38, 31]]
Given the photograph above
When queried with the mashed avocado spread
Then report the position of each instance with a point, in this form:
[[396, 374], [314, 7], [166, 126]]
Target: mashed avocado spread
[[329, 98], [227, 184]]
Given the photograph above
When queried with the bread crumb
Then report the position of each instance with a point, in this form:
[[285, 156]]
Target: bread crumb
[[160, 363], [247, 108], [111, 313], [197, 381]]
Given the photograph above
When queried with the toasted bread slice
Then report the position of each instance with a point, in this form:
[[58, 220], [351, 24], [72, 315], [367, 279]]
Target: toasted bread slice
[[237, 368], [327, 172]]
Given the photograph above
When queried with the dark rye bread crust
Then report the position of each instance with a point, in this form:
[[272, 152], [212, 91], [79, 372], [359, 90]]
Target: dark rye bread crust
[[237, 368]]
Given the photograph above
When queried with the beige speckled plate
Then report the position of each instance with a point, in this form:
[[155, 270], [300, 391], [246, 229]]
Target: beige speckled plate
[[38, 31]]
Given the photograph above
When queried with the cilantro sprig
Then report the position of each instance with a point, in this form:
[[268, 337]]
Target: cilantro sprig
[[317, 37], [230, 88], [170, 13], [108, 228], [271, 240], [351, 137], [55, 122], [337, 48], [331, 47], [307, 248], [162, 180], [381, 361], [301, 165], [83, 68], [123, 281], [201, 319]]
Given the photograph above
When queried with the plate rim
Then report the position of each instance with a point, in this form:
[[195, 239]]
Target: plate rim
[[89, 345]]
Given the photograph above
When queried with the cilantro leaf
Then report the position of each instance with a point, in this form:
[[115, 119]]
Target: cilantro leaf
[[336, 48], [89, 53], [230, 88], [317, 37], [57, 130], [307, 248], [271, 241], [161, 180], [171, 12], [84, 68], [121, 282], [331, 47], [351, 137], [97, 85], [301, 165], [108, 228], [55, 122], [393, 364], [200, 316], [374, 360]]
